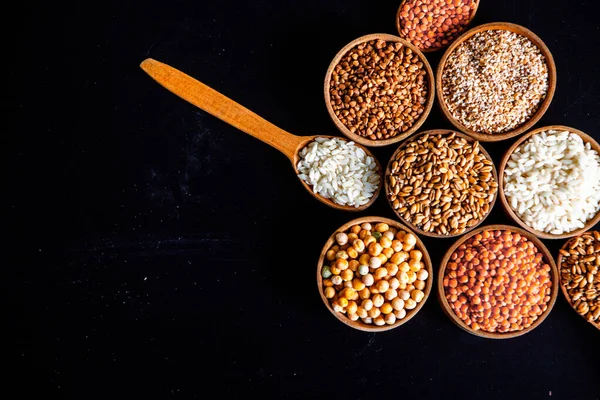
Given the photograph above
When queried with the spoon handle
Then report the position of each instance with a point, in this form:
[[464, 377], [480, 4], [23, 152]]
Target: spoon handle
[[222, 107]]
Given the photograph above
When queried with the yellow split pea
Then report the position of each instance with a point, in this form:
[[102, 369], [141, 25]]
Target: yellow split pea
[[374, 274]]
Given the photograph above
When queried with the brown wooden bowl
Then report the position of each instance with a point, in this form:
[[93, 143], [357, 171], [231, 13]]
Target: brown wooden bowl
[[409, 313], [493, 335], [586, 138], [399, 26], [430, 91], [563, 288], [518, 29], [410, 224]]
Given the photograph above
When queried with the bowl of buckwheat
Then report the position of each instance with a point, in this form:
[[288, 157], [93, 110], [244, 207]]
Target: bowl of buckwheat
[[379, 89], [496, 81]]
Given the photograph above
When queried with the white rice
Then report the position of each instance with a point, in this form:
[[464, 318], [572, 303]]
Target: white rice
[[552, 182], [338, 170]]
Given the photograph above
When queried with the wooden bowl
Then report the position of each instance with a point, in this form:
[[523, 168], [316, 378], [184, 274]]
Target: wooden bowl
[[409, 313], [562, 287], [493, 335], [428, 105], [506, 205], [410, 224], [399, 26], [518, 29]]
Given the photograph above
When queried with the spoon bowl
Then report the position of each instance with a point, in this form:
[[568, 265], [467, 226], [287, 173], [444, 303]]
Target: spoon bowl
[[306, 140], [227, 110]]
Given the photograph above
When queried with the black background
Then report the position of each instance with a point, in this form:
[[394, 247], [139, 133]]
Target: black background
[[156, 252]]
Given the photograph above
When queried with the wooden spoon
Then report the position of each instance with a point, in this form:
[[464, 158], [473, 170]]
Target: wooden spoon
[[229, 111]]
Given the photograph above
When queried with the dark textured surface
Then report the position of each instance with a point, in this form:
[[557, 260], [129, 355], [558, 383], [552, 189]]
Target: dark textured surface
[[156, 252]]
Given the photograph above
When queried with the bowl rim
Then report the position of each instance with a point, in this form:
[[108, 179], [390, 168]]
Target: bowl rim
[[544, 235], [521, 30], [399, 26], [435, 132], [493, 335], [563, 289], [428, 104], [359, 325]]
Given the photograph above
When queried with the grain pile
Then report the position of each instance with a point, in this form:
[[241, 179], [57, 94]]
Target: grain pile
[[494, 81], [433, 24], [339, 170], [441, 183], [498, 281], [552, 182], [579, 275], [375, 273], [379, 89]]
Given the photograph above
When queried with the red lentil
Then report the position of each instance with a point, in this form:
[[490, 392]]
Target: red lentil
[[433, 24], [498, 281]]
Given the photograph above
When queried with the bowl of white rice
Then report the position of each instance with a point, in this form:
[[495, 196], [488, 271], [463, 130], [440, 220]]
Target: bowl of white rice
[[550, 182]]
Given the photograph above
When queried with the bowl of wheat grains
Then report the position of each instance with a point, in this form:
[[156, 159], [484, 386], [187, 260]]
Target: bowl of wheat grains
[[496, 81]]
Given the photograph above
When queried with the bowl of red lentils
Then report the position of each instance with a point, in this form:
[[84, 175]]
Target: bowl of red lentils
[[379, 89], [374, 274], [498, 282], [434, 24]]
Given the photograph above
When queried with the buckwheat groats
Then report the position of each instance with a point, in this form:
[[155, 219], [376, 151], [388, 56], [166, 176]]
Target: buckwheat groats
[[379, 89]]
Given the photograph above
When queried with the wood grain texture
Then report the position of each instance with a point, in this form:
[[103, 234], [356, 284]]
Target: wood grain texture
[[563, 289], [388, 173], [401, 136], [399, 26], [222, 107], [494, 335], [227, 110], [518, 29], [544, 235], [359, 324]]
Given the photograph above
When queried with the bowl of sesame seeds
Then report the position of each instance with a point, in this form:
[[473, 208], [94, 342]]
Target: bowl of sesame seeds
[[496, 81]]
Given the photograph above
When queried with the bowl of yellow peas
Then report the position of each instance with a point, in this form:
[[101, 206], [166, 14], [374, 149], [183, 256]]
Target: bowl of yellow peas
[[374, 274]]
